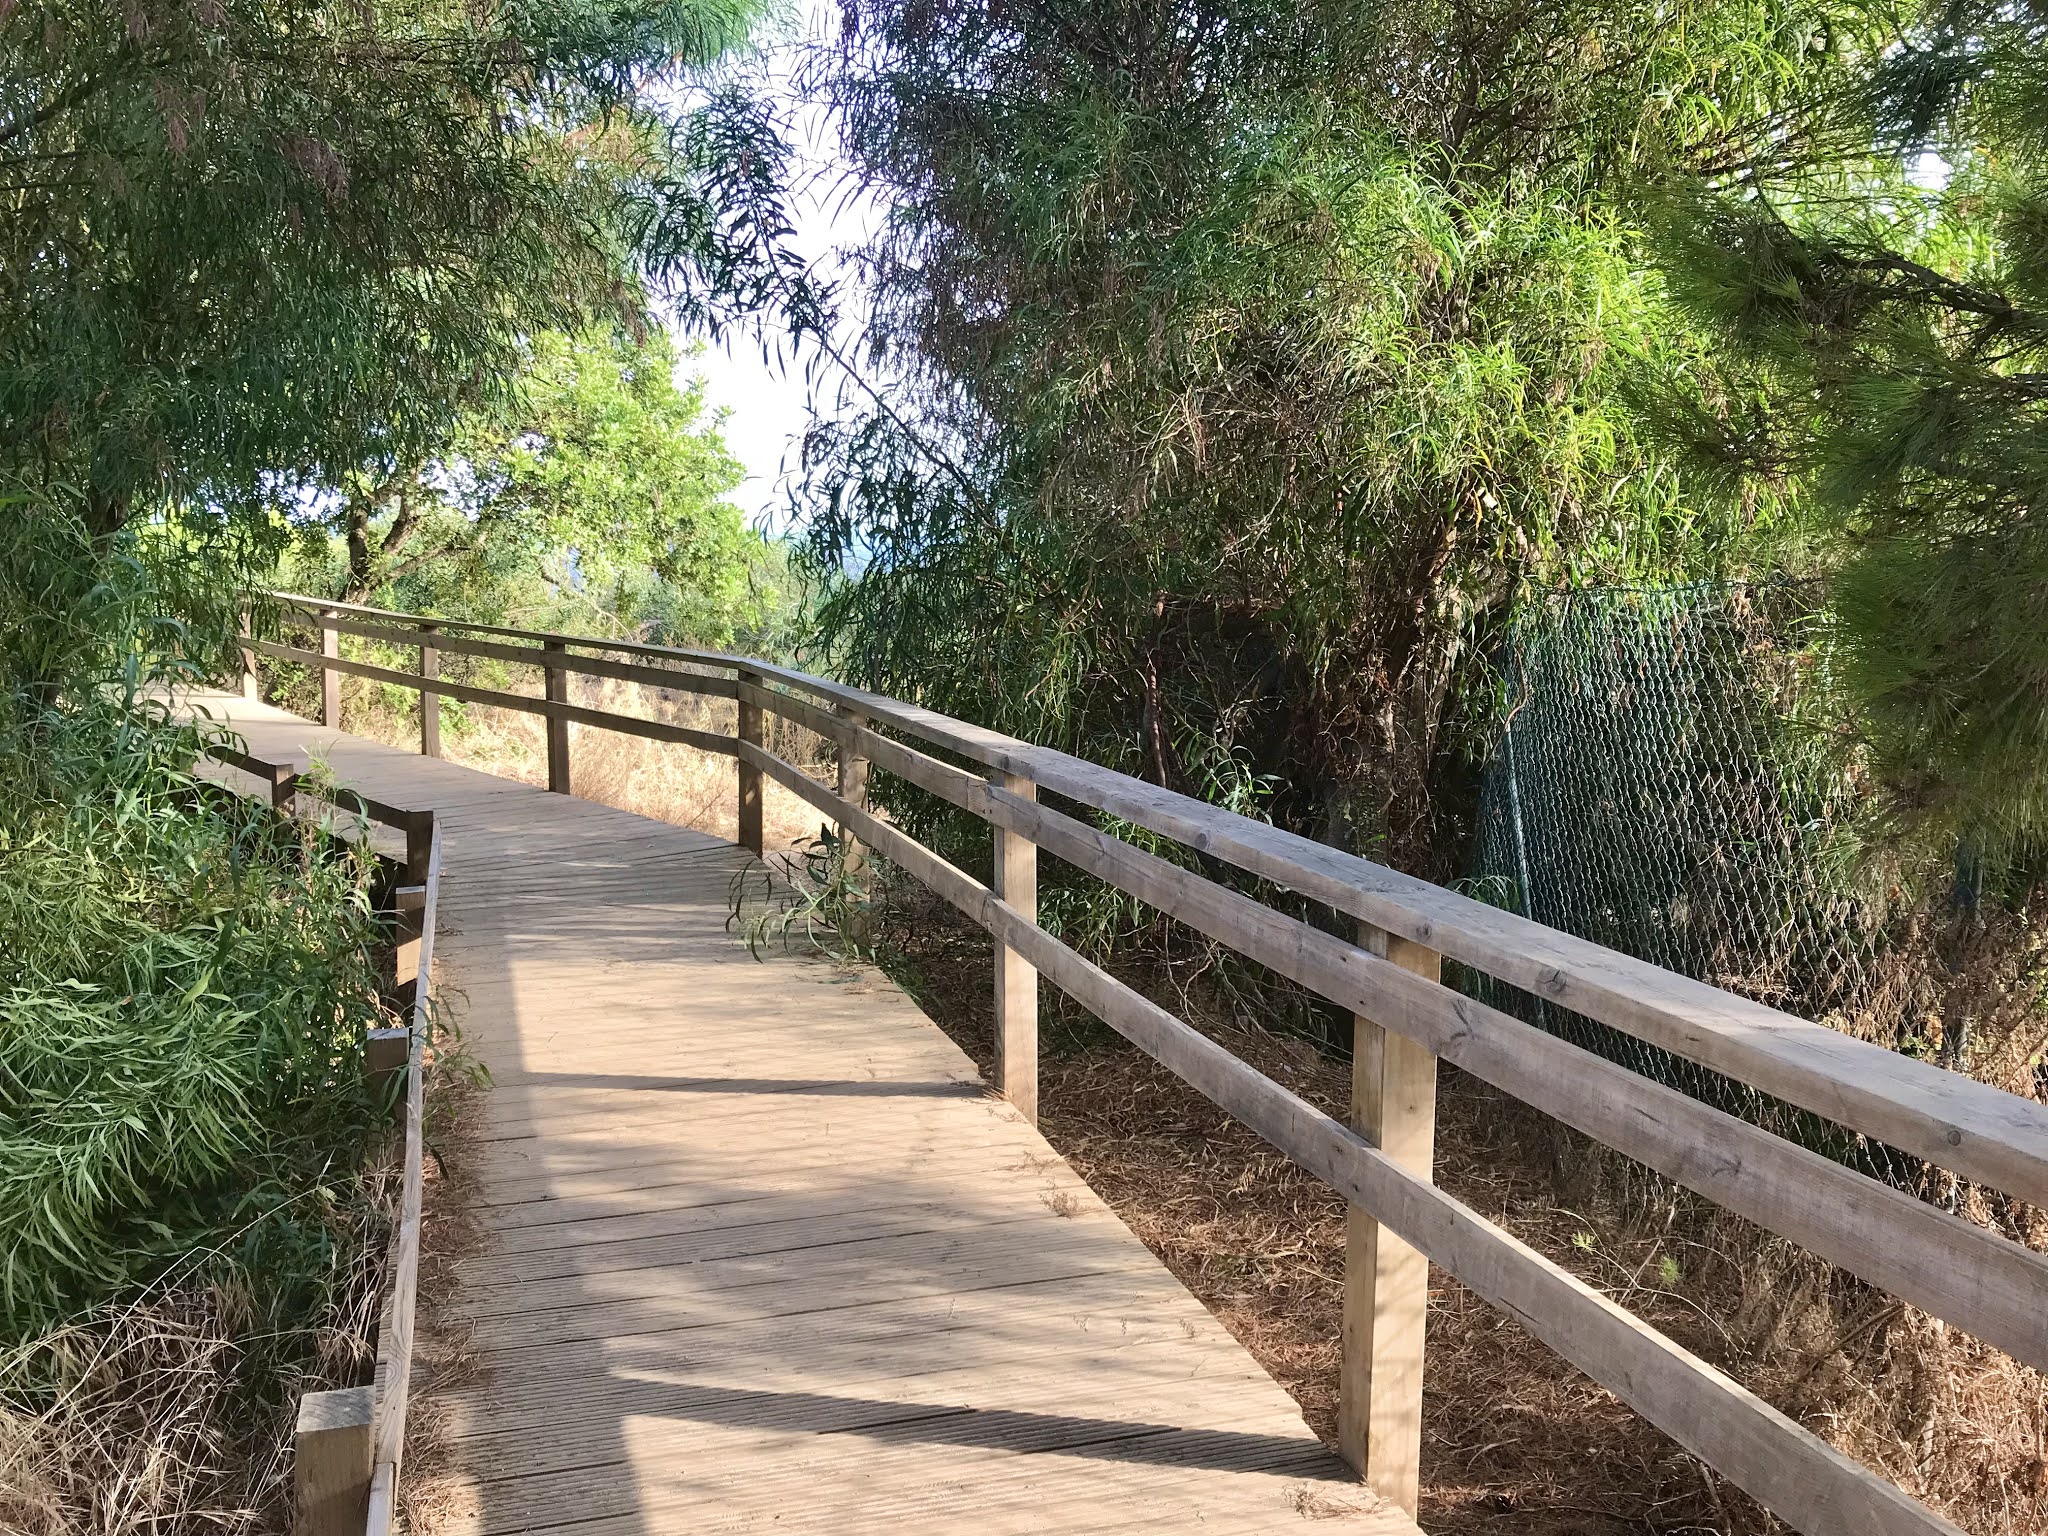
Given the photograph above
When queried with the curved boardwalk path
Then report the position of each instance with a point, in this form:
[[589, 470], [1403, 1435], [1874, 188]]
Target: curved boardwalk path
[[763, 1254]]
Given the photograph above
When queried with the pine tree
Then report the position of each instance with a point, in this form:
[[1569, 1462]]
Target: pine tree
[[1876, 254]]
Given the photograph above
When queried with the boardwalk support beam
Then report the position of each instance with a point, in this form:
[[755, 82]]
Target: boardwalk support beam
[[558, 726], [750, 776], [853, 789], [430, 702], [330, 678], [1016, 886], [331, 1462], [1386, 1281]]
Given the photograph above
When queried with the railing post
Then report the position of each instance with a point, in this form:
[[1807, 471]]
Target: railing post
[[750, 777], [558, 728], [853, 789], [1386, 1282], [1016, 886], [409, 906], [252, 685], [419, 847], [331, 1462], [284, 786], [430, 703], [330, 680]]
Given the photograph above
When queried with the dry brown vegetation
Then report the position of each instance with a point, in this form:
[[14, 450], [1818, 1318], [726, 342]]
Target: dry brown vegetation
[[1516, 1441], [173, 1412]]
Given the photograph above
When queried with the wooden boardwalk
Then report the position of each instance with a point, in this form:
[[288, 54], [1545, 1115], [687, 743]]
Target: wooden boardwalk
[[763, 1254]]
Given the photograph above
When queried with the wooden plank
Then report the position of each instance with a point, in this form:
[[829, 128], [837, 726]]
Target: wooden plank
[[397, 1322], [1016, 883], [1966, 1274], [1386, 1280], [331, 1462], [771, 1136], [1785, 1467]]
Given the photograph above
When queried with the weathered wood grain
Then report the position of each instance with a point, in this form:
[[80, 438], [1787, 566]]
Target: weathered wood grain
[[766, 1253]]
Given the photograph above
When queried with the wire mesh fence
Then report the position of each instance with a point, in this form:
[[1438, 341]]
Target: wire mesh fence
[[1662, 785]]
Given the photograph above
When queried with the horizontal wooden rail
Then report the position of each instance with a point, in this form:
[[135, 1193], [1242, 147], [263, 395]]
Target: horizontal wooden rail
[[1975, 1278], [1947, 1266], [1783, 1466], [631, 725], [537, 656], [350, 1443]]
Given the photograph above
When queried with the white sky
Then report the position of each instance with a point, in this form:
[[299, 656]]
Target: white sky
[[767, 399]]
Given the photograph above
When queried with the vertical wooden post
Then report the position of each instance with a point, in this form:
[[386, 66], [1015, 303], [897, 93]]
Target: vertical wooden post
[[409, 911], [419, 847], [1386, 1282], [330, 680], [853, 788], [1016, 885], [558, 729], [430, 703], [252, 685], [385, 1054], [750, 776], [331, 1462], [284, 786]]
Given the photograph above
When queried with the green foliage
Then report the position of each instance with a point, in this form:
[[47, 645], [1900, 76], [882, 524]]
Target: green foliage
[[183, 988], [1255, 358], [591, 498], [1875, 258], [253, 243]]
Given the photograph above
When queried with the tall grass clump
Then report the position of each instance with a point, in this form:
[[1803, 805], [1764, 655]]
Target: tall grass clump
[[184, 988]]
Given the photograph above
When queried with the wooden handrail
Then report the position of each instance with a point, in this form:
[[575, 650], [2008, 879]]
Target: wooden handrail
[[1975, 1278], [1939, 1116], [351, 1443]]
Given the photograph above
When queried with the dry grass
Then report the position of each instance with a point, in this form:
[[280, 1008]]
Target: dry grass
[[1516, 1441], [173, 1412]]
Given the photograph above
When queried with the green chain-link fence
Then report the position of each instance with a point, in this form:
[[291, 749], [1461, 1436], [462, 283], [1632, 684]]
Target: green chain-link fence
[[1657, 789]]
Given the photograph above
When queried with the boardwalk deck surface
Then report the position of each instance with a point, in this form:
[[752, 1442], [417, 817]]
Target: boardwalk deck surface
[[762, 1252]]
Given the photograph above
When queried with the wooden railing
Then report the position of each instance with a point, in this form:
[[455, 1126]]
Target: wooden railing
[[349, 1444], [1379, 1155]]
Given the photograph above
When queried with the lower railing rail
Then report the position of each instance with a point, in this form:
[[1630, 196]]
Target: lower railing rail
[[1378, 1155]]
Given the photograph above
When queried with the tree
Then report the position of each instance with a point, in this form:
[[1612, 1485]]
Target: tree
[[593, 495], [257, 243], [1255, 356], [1875, 257]]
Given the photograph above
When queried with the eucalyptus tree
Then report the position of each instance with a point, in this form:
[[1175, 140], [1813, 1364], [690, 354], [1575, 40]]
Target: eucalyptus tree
[[1253, 356], [1874, 255]]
